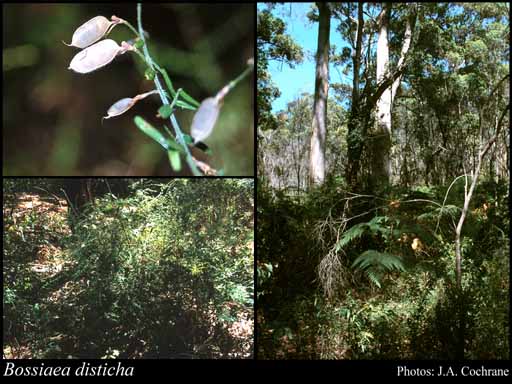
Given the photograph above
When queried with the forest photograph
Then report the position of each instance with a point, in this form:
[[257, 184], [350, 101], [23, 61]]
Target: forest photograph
[[383, 181], [128, 268]]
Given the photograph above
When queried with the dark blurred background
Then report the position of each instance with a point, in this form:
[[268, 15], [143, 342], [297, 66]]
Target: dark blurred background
[[52, 116]]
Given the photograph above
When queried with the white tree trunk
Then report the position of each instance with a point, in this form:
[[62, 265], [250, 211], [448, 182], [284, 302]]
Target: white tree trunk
[[381, 140], [317, 154]]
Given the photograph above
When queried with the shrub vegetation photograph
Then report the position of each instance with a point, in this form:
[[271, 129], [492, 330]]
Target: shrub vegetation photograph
[[383, 181], [128, 268]]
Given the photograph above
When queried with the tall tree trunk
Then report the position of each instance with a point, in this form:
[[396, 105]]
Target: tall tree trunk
[[78, 192], [317, 153], [380, 143], [381, 100]]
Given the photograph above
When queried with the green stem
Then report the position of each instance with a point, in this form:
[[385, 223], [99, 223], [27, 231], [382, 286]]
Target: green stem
[[191, 103], [168, 82], [232, 84], [131, 27], [172, 106], [163, 96], [186, 97]]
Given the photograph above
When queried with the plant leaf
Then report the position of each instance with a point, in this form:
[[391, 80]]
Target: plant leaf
[[185, 105], [151, 131], [188, 139], [165, 111], [373, 263], [174, 160], [174, 145], [353, 233], [381, 260]]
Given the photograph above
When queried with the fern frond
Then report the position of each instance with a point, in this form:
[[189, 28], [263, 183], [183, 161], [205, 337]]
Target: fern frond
[[353, 233], [373, 263], [447, 210], [382, 260], [374, 276], [377, 224]]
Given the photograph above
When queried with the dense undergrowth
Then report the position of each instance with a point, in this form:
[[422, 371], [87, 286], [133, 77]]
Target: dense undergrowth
[[166, 272], [345, 276]]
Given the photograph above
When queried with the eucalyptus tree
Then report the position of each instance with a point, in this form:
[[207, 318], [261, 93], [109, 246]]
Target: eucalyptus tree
[[284, 152], [300, 119], [388, 80], [376, 77], [319, 129]]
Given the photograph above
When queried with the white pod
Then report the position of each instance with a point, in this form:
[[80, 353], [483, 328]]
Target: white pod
[[204, 119], [96, 56], [91, 31], [121, 106]]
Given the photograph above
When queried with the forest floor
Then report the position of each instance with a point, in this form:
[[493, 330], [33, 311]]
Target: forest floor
[[50, 260]]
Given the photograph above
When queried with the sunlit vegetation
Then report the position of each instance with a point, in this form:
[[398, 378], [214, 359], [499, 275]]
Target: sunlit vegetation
[[139, 269], [383, 220]]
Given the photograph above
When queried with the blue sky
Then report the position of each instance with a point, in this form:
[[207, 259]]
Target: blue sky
[[293, 82]]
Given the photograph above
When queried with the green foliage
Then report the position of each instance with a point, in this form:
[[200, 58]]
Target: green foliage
[[263, 273], [412, 315], [284, 152], [313, 300], [374, 263], [162, 272], [353, 233], [272, 44], [449, 210], [489, 304]]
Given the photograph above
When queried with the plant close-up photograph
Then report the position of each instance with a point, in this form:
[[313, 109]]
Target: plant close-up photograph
[[128, 89]]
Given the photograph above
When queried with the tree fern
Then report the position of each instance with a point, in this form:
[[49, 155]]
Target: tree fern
[[374, 263]]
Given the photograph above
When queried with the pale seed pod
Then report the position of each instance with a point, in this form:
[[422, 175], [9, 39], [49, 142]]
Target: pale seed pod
[[204, 119], [91, 31], [121, 106], [96, 56]]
